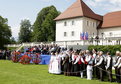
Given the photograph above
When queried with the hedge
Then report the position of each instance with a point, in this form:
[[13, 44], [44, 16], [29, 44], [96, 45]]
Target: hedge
[[11, 48], [105, 49]]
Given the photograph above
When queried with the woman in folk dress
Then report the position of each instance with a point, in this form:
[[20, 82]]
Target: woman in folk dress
[[57, 66], [51, 65]]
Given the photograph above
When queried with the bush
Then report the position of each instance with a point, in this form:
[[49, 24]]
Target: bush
[[11, 48], [105, 49]]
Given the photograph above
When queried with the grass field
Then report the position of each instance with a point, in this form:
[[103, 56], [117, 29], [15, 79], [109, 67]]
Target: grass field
[[16, 73]]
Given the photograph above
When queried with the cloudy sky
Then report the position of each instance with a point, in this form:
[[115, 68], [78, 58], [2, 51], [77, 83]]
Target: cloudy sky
[[17, 10]]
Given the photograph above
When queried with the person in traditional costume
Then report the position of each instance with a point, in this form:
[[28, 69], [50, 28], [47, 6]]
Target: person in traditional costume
[[51, 65], [62, 56], [94, 51], [109, 63], [66, 64], [84, 65], [101, 65], [57, 62], [81, 64], [74, 67], [117, 66], [89, 61], [96, 61], [70, 58]]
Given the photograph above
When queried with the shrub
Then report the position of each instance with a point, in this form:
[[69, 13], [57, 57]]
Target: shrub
[[105, 49]]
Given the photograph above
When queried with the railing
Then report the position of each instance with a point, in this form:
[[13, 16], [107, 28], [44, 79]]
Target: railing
[[12, 45], [75, 42], [103, 40]]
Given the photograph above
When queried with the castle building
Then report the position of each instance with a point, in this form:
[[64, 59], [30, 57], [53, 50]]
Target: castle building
[[79, 18]]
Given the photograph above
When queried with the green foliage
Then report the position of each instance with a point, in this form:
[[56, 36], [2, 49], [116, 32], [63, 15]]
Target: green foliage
[[25, 31], [16, 73], [44, 26], [5, 32], [105, 49], [12, 41], [11, 48]]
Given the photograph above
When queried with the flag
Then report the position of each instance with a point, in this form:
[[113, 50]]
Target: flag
[[86, 36], [81, 36]]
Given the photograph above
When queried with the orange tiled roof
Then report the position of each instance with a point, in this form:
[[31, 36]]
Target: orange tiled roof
[[78, 9], [112, 19]]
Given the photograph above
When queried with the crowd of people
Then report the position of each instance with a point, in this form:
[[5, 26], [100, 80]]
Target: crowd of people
[[5, 54], [44, 49], [85, 63]]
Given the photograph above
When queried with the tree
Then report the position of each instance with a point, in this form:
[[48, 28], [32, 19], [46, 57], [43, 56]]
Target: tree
[[44, 26], [12, 40], [5, 32], [25, 31]]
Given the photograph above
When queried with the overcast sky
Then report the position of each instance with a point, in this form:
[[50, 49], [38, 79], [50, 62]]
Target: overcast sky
[[17, 10]]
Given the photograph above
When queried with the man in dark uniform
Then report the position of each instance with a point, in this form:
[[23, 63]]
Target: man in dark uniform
[[109, 61]]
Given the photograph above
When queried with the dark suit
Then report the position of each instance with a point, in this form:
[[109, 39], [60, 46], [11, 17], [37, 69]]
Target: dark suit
[[117, 71], [66, 66], [110, 70], [101, 67], [4, 55], [1, 55]]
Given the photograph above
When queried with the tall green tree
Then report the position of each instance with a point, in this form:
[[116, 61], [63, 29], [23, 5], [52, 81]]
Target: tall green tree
[[25, 31], [44, 26], [12, 40], [5, 32]]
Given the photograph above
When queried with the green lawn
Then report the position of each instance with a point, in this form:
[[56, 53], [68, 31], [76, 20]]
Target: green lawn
[[16, 73]]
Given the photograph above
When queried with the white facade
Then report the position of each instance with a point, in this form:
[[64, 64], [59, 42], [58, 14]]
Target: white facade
[[110, 32], [91, 28], [70, 29]]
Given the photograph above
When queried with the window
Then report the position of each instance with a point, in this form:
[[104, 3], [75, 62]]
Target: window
[[65, 33], [102, 34], [87, 23], [73, 22], [65, 23], [72, 33], [93, 24], [111, 34]]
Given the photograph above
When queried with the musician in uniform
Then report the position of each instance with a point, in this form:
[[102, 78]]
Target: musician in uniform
[[109, 61], [101, 65]]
